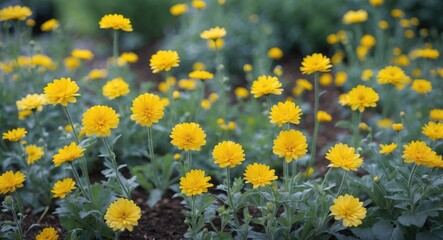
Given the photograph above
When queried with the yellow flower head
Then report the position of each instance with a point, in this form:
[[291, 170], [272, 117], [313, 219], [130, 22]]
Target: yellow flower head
[[325, 79], [205, 104], [362, 97], [228, 153], [315, 63], [98, 120], [332, 39], [31, 102], [195, 182], [247, 67], [368, 41], [343, 156], [363, 126], [63, 187], [178, 9], [198, 4], [352, 17], [266, 85], [436, 114], [397, 127], [427, 53], [188, 136], [49, 25], [14, 135], [323, 116], [433, 130], [10, 181], [387, 148], [376, 3], [30, 22], [290, 144], [198, 66], [34, 153], [275, 53], [201, 75], [83, 54], [187, 84], [71, 63], [340, 78], [241, 92], [24, 114], [216, 44], [97, 74], [48, 233], [366, 74], [304, 84], [16, 12], [391, 75], [68, 154], [259, 175], [348, 208], [421, 86], [147, 109], [164, 61], [61, 91], [384, 123], [115, 88], [213, 33], [397, 13], [122, 214], [116, 22], [421, 154], [128, 57], [287, 112]]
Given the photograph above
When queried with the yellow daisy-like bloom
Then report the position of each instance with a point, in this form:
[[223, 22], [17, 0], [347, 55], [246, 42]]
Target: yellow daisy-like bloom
[[195, 182], [16, 12], [213, 33], [99, 120], [202, 75], [188, 136], [198, 66], [49, 25], [367, 74], [147, 109], [383, 24], [122, 214], [436, 114], [24, 114], [228, 153], [178, 9], [348, 208], [63, 187], [259, 175], [304, 84], [433, 130], [187, 84], [48, 233], [391, 75], [376, 3], [287, 112], [247, 67], [164, 61], [31, 102], [275, 53], [290, 144], [323, 116], [361, 97], [128, 57], [315, 63], [71, 63], [30, 22], [352, 17], [14, 135], [34, 153], [116, 22], [363, 126], [10, 181], [368, 41], [68, 154], [83, 54], [198, 4], [97, 74], [266, 85], [397, 127], [343, 156], [421, 86], [61, 91], [421, 154], [387, 148], [241, 92], [115, 88], [427, 53], [340, 78]]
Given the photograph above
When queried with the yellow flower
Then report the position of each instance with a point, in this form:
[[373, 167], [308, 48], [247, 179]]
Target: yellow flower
[[16, 12], [397, 13], [366, 74], [315, 63], [352, 17], [402, 60], [290, 144], [363, 126], [247, 67], [188, 84], [362, 97], [205, 104], [68, 154], [128, 57], [325, 79], [30, 22], [176, 94], [275, 53], [188, 136], [198, 4], [323, 116], [287, 112], [31, 102], [241, 92], [198, 66], [115, 88], [147, 109], [14, 135], [278, 70], [216, 44], [97, 74], [259, 175], [213, 33], [61, 91], [83, 54], [10, 181], [177, 156], [376, 3], [71, 63], [178, 9], [436, 114], [49, 25], [164, 61], [348, 208], [397, 127], [421, 86], [421, 154], [384, 123], [116, 22], [63, 187], [343, 156], [34, 153], [228, 153], [332, 39], [427, 53], [433, 130], [391, 75], [48, 233], [266, 85], [195, 182], [98, 120], [202, 75], [361, 52], [340, 78], [122, 214], [387, 148], [304, 84]]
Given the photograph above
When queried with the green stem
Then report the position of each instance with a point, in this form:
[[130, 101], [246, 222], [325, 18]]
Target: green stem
[[379, 160], [220, 75], [115, 47], [411, 176], [189, 160], [199, 100], [341, 184], [326, 176], [387, 101], [157, 180], [316, 124], [37, 123], [356, 130], [77, 179], [193, 217], [19, 202], [17, 222], [115, 168], [286, 176], [43, 214]]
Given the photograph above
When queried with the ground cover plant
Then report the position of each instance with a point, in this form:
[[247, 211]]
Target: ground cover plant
[[222, 143]]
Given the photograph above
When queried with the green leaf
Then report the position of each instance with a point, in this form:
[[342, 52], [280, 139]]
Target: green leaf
[[417, 219], [154, 197], [430, 235], [385, 230]]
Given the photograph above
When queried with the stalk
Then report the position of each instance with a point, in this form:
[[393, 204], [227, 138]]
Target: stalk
[[157, 180], [115, 168], [316, 123], [341, 184]]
